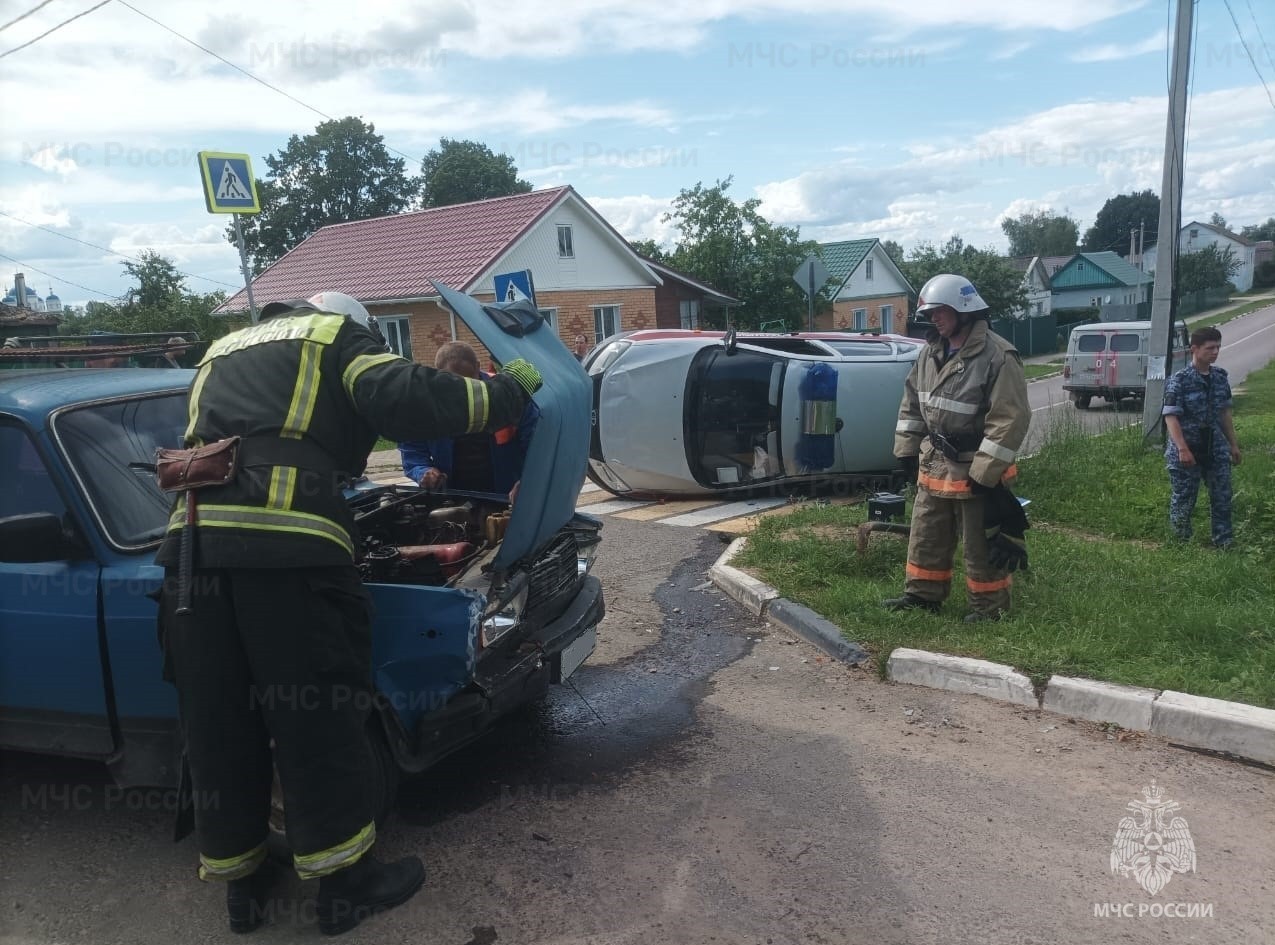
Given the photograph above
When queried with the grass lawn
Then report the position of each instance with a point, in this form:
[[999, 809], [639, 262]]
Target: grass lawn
[[1034, 371], [1108, 595], [383, 444], [1222, 318]]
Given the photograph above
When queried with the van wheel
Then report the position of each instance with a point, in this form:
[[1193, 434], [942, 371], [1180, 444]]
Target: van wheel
[[385, 778], [1082, 403]]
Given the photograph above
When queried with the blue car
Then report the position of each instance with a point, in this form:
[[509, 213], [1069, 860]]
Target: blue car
[[479, 607]]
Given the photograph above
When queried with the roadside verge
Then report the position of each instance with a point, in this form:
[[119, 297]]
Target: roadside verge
[[1214, 724]]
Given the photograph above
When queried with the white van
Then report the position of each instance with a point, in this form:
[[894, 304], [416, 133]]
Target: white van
[[1109, 360]]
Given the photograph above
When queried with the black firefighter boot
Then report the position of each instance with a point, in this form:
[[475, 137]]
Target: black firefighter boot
[[349, 896], [248, 898], [912, 602]]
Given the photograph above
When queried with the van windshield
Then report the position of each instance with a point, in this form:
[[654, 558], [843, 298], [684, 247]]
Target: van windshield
[[1092, 343]]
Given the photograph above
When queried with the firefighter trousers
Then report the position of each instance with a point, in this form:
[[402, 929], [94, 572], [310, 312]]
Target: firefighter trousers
[[284, 655], [937, 524]]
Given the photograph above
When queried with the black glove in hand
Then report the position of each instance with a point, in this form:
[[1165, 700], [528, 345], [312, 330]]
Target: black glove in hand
[[1004, 524], [1005, 553], [911, 468]]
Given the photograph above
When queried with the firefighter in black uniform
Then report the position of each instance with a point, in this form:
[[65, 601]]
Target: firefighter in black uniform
[[273, 640]]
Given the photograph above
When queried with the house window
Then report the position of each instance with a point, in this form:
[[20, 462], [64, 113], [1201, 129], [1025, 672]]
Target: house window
[[566, 250], [887, 317], [550, 315], [860, 319], [867, 269], [397, 335], [690, 313], [1195, 234], [606, 321]]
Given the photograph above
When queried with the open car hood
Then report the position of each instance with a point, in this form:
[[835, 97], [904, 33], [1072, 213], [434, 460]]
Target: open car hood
[[556, 459]]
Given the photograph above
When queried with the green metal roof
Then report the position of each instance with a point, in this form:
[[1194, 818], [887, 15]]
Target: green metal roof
[[843, 258], [1103, 269]]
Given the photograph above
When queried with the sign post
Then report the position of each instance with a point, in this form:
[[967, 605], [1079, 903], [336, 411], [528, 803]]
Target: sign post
[[811, 276], [229, 187]]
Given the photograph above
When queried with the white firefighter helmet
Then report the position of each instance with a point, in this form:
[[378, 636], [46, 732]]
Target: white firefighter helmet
[[947, 289], [338, 303]]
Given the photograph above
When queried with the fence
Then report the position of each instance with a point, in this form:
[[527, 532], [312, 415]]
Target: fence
[[1189, 303], [1036, 335]]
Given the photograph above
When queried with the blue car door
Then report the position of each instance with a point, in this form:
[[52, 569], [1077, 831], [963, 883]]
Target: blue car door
[[52, 689]]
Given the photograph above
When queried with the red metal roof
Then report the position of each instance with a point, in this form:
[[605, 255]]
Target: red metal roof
[[395, 257]]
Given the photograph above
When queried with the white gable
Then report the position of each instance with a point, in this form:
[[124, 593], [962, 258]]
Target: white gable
[[885, 277], [600, 260]]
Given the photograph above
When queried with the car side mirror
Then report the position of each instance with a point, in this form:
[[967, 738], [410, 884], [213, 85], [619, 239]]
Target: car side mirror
[[38, 536]]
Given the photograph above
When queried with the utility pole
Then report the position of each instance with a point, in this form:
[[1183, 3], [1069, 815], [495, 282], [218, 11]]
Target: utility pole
[[1162, 301], [1142, 244], [1133, 241]]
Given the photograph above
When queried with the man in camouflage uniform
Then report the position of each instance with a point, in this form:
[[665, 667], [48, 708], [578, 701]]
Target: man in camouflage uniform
[[962, 420], [1202, 443]]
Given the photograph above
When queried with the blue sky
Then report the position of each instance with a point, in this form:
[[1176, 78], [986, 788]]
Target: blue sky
[[909, 121]]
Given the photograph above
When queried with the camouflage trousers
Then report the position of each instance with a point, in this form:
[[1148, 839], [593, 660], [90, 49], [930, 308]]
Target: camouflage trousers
[[1185, 484]]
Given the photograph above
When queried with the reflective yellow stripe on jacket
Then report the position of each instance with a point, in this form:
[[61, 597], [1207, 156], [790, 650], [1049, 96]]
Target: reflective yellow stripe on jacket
[[265, 520]]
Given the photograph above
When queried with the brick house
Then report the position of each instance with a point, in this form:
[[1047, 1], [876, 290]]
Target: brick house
[[867, 290], [588, 280], [683, 302]]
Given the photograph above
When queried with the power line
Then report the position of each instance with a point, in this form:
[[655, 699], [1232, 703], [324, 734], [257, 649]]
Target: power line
[[105, 295], [113, 252], [23, 16], [10, 52], [1270, 60], [1249, 52], [238, 68]]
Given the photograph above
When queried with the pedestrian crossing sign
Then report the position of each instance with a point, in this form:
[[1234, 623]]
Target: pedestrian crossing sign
[[229, 186]]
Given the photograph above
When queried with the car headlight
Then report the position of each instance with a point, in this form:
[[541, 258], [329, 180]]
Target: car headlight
[[503, 614], [584, 557], [606, 356]]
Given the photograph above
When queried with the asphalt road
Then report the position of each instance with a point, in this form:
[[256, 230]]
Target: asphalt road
[[706, 780], [1248, 344]]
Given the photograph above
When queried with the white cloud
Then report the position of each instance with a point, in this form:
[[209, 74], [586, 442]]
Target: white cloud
[[637, 217], [1109, 52]]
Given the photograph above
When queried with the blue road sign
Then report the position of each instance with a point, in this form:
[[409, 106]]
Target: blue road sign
[[512, 286], [228, 183]]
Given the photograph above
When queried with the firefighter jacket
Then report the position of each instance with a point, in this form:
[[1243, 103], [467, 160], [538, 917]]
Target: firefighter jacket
[[309, 393], [964, 416]]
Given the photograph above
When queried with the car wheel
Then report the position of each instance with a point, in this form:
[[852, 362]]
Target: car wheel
[[1082, 403], [385, 778]]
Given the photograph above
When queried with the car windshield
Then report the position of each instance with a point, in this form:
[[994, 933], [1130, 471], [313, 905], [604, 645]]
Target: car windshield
[[111, 448]]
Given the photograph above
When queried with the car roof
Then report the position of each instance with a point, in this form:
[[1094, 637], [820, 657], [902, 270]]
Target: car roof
[[33, 394]]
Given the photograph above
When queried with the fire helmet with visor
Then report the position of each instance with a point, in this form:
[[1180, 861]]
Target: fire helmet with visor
[[957, 292]]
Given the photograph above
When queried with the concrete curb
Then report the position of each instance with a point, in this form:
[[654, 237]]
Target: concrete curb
[[1233, 727]]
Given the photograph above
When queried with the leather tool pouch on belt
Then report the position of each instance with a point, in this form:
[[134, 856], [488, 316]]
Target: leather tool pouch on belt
[[212, 465]]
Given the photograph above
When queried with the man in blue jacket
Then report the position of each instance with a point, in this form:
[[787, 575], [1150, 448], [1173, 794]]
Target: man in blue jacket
[[476, 462]]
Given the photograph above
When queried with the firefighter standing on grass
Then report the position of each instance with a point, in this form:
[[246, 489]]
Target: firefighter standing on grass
[[268, 635], [963, 417]]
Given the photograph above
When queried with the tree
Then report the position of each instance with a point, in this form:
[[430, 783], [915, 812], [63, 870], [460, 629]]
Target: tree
[[1260, 231], [735, 249], [1041, 233], [1218, 221], [893, 250], [463, 171], [159, 303], [1000, 284], [1118, 216], [1209, 268], [158, 281], [650, 249], [342, 172]]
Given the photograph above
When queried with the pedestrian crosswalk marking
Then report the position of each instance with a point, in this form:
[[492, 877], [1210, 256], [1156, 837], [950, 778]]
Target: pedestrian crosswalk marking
[[608, 508], [729, 510], [660, 510]]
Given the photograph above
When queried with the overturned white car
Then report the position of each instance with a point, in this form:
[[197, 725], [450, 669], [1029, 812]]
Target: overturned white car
[[678, 412]]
